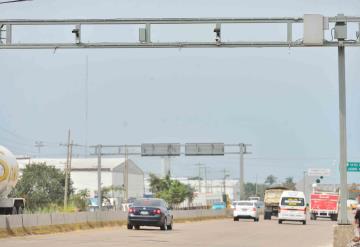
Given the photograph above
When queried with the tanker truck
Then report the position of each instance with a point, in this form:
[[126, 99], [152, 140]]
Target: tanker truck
[[9, 173]]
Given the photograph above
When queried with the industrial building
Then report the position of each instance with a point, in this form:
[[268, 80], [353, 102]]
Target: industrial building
[[84, 174]]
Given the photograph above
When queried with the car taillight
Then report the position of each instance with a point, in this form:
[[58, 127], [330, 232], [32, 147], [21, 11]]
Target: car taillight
[[131, 210], [254, 209], [157, 211]]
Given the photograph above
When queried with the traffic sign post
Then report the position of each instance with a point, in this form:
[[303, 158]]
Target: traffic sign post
[[353, 167], [317, 172]]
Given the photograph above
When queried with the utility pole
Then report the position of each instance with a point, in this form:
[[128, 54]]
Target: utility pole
[[67, 168], [199, 175], [242, 151], [241, 178], [126, 176], [98, 151], [256, 185], [226, 175], [305, 185], [206, 185], [39, 145], [205, 179], [67, 171]]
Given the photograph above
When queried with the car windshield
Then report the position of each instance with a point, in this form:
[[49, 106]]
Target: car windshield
[[147, 203], [244, 204], [292, 201]]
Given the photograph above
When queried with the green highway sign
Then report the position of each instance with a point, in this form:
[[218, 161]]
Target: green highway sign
[[353, 167]]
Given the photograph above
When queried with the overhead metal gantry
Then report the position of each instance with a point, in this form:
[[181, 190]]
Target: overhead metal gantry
[[314, 29], [168, 150], [8, 33]]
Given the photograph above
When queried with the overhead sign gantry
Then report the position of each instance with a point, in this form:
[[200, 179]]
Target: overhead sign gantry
[[314, 28]]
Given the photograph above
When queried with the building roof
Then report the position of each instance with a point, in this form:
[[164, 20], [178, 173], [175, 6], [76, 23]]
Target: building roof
[[132, 168], [79, 164]]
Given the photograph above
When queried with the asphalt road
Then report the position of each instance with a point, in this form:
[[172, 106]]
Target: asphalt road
[[209, 233]]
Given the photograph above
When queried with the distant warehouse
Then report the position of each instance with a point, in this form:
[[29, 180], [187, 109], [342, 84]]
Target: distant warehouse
[[84, 173]]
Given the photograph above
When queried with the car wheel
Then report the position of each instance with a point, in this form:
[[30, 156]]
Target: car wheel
[[20, 210], [164, 226], [170, 227], [129, 226], [137, 227], [313, 217], [304, 222], [267, 216], [280, 221], [333, 217], [236, 219]]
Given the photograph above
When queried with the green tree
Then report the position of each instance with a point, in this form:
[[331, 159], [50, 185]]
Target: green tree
[[270, 180], [42, 186], [190, 194], [108, 192], [81, 199], [289, 183], [172, 191]]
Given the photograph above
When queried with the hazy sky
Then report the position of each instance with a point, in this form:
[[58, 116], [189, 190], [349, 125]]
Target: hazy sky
[[282, 101]]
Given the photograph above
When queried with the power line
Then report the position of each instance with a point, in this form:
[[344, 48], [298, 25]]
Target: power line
[[14, 1]]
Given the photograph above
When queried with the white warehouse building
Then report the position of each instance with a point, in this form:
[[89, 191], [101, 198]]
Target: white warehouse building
[[84, 173]]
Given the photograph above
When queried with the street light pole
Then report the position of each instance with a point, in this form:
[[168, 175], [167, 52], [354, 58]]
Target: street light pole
[[343, 219]]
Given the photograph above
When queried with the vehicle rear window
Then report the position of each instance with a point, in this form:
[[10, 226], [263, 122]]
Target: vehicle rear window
[[292, 201], [244, 204], [147, 203]]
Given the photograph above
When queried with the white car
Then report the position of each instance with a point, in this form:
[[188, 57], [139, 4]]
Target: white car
[[246, 210]]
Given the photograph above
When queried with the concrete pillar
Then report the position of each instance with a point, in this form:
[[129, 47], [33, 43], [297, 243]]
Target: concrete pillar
[[166, 165], [343, 234]]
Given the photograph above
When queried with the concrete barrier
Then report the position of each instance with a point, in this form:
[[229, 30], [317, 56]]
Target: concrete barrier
[[81, 217], [57, 219], [29, 220], [69, 218], [91, 217], [55, 222], [43, 220], [3, 222], [14, 221]]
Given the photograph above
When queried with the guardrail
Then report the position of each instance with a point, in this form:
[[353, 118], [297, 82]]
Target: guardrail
[[12, 225]]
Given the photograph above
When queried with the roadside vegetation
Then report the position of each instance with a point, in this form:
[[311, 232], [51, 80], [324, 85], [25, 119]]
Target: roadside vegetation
[[42, 186], [172, 191]]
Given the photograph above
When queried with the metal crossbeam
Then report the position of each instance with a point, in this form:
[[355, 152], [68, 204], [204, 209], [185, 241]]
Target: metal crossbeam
[[8, 25], [165, 21]]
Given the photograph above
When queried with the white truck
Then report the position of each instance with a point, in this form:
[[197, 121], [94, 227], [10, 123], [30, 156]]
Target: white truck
[[9, 173]]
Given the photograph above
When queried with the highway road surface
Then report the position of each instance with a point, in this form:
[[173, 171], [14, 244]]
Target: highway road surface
[[211, 233]]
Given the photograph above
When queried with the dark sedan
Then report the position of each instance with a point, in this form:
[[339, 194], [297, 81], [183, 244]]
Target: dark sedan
[[150, 212]]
